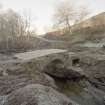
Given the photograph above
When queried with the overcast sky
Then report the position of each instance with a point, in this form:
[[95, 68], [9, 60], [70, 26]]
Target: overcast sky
[[42, 10]]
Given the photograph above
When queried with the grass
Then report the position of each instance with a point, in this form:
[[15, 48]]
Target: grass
[[69, 87], [72, 87], [30, 68]]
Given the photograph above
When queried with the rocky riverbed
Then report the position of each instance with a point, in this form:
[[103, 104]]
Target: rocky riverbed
[[52, 77]]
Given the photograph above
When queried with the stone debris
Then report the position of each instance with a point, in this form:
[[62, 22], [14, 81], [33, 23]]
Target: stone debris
[[52, 77]]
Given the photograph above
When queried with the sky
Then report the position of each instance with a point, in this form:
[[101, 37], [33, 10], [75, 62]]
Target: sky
[[41, 11]]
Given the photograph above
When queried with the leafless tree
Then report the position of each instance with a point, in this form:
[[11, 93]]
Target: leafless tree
[[82, 13], [66, 14], [13, 25]]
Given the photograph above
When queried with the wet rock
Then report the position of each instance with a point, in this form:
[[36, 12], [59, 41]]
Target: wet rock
[[15, 70], [58, 69], [11, 83], [36, 94], [1, 71], [2, 99], [89, 96]]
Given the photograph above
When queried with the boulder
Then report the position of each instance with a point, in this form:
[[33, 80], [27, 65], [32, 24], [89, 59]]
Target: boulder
[[58, 69], [10, 83], [36, 94], [1, 71]]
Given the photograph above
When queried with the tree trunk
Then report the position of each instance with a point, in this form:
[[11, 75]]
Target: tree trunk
[[68, 26]]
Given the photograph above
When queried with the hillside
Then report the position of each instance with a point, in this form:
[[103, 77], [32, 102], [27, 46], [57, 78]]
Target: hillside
[[92, 29], [93, 22]]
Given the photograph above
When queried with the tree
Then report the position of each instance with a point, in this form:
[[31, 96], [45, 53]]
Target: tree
[[66, 14], [63, 15], [9, 25], [82, 13], [13, 26], [27, 21]]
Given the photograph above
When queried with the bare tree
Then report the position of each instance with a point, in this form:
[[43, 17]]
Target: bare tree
[[27, 21], [9, 25], [13, 25], [66, 14], [82, 13], [63, 16]]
